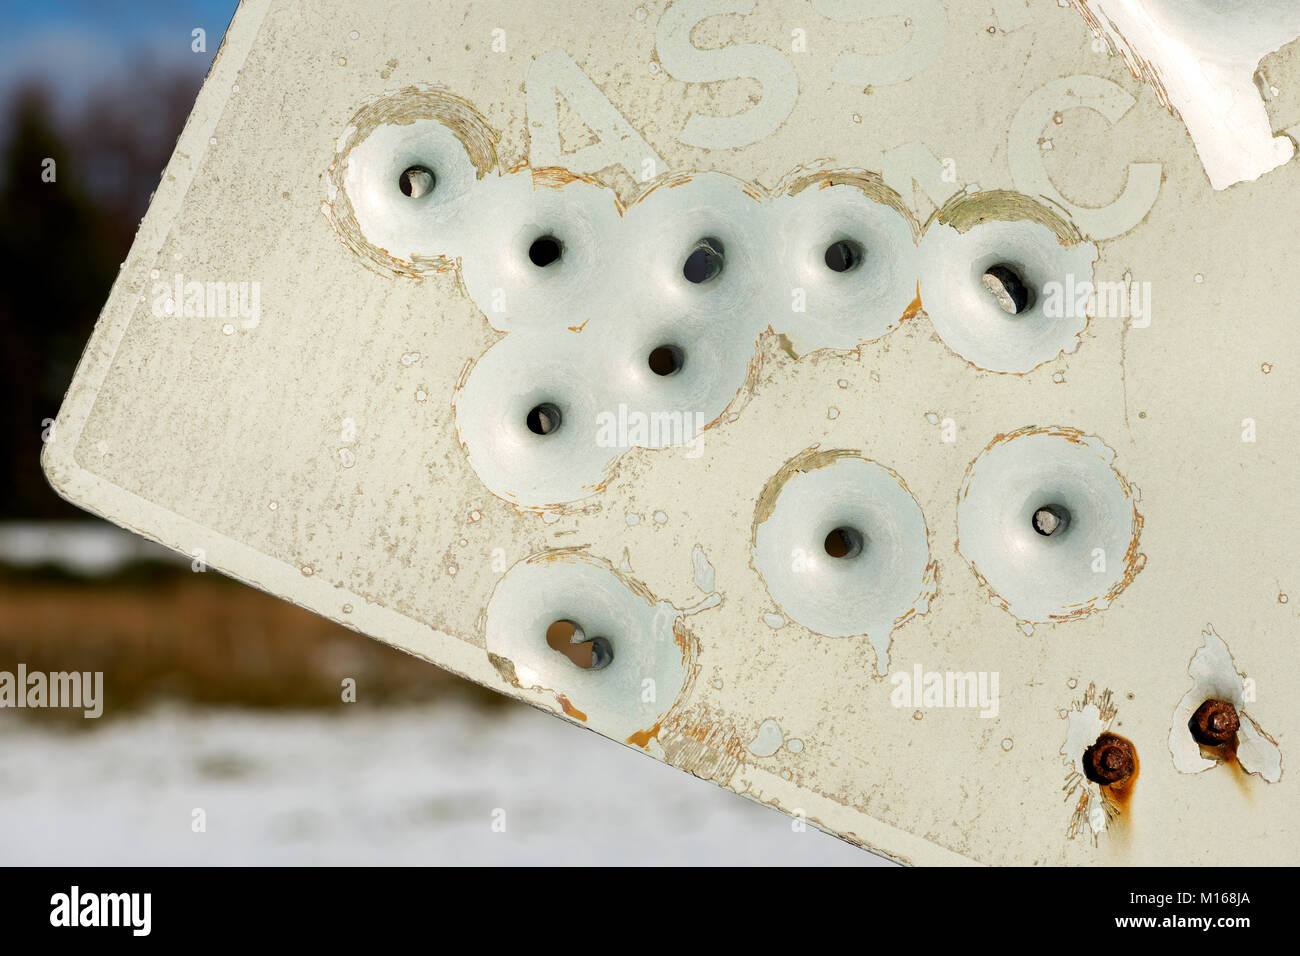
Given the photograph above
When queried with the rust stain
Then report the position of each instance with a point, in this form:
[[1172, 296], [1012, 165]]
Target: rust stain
[[915, 309], [643, 737], [1227, 753], [579, 328], [689, 648], [785, 345], [682, 638], [1120, 794], [569, 709]]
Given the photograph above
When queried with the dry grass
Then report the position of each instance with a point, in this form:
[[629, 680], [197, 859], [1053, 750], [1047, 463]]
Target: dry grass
[[172, 634]]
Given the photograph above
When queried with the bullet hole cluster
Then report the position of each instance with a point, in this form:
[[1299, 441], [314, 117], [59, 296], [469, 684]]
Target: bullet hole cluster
[[639, 325]]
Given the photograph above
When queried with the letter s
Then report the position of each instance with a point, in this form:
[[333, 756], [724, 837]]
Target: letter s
[[688, 63]]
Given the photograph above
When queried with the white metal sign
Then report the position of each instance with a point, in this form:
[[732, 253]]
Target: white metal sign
[[883, 410]]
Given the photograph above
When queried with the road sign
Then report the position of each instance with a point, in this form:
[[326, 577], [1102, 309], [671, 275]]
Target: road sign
[[883, 411]]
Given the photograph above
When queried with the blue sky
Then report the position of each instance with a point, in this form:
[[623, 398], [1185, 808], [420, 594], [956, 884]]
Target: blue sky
[[73, 45]]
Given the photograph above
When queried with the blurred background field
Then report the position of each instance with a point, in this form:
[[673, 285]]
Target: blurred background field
[[216, 696], [164, 633]]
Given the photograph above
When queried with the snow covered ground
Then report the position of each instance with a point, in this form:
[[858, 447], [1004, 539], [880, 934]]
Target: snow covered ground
[[412, 785]]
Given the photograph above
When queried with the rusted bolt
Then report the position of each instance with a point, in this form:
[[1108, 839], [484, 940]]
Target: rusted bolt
[[1109, 760], [1215, 723]]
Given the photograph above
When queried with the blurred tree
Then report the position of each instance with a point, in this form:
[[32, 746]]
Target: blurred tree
[[130, 146], [61, 240], [58, 261]]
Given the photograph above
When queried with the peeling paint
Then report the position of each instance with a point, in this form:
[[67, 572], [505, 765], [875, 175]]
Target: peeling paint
[[1200, 60], [1097, 806], [1215, 677], [703, 744]]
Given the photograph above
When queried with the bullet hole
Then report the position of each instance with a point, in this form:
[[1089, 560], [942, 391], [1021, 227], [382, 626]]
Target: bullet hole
[[667, 360], [843, 542], [545, 250], [416, 181], [544, 419], [568, 638], [1005, 284], [704, 264], [1051, 520], [844, 255]]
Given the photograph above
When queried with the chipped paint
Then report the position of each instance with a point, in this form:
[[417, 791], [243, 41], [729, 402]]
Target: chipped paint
[[1097, 806], [870, 184], [1200, 60], [768, 740], [1215, 676], [967, 210], [702, 744]]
